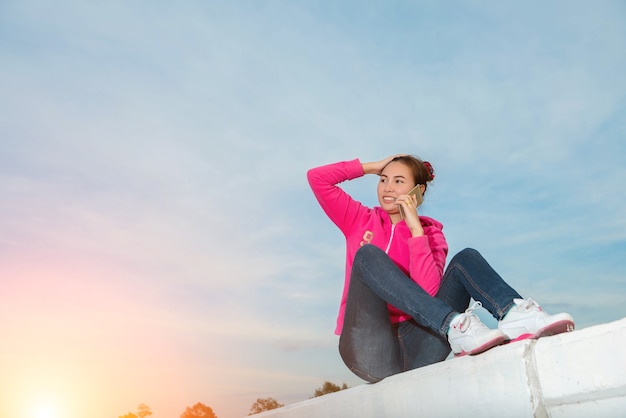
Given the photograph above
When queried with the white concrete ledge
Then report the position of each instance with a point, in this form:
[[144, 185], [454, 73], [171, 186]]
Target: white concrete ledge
[[578, 374]]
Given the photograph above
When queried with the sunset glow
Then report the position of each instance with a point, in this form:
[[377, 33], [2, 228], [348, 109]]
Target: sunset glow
[[46, 410]]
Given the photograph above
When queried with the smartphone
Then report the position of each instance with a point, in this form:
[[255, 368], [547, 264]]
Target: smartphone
[[417, 192]]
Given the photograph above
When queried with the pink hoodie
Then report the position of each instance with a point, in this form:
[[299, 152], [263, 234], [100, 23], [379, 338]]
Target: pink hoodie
[[424, 257]]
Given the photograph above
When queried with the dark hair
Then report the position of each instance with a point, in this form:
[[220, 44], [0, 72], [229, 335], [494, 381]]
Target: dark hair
[[423, 171]]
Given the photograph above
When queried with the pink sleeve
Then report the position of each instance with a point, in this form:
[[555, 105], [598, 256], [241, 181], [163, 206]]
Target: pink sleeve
[[336, 203], [428, 258]]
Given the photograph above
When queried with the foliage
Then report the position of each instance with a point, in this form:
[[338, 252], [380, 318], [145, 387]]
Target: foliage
[[199, 410], [264, 404], [143, 411], [327, 388]]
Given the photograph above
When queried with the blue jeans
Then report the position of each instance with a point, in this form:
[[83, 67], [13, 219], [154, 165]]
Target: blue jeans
[[374, 348]]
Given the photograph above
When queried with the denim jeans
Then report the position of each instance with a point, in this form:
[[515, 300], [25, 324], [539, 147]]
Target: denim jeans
[[374, 348]]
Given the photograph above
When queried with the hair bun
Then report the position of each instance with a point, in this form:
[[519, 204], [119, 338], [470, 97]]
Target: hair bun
[[431, 171]]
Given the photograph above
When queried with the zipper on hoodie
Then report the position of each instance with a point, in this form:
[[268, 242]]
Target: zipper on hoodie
[[393, 230]]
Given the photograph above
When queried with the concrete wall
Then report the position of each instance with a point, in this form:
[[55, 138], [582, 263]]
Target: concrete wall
[[578, 374]]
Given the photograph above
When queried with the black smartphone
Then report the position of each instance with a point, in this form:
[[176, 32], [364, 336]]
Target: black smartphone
[[417, 192]]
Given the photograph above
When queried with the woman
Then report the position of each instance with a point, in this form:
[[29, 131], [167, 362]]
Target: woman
[[399, 309]]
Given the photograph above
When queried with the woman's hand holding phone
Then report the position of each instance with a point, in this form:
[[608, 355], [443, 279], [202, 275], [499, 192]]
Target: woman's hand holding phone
[[412, 198], [408, 205]]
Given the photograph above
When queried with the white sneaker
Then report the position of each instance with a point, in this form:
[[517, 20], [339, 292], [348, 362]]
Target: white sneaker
[[467, 335], [527, 320]]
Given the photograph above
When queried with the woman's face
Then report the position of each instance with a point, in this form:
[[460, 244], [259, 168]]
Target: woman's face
[[396, 179]]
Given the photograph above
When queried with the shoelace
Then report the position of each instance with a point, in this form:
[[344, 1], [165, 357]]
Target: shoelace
[[475, 305], [465, 319], [529, 304]]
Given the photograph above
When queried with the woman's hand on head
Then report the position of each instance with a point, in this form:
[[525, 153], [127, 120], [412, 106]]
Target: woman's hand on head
[[376, 167]]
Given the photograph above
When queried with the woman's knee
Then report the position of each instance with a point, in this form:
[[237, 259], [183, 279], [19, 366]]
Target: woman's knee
[[367, 254], [368, 251], [467, 253]]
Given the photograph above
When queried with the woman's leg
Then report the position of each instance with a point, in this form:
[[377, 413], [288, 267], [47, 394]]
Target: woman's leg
[[518, 318], [369, 342], [469, 275], [374, 267]]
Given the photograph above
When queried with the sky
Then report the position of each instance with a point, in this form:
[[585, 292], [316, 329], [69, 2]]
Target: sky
[[159, 243]]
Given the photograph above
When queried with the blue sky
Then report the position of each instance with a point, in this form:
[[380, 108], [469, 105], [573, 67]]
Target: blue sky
[[158, 240]]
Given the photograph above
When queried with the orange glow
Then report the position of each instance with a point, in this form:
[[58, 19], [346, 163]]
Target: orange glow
[[46, 410]]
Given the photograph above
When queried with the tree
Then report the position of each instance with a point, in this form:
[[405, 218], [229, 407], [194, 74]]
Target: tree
[[327, 388], [199, 410], [143, 410], [264, 404]]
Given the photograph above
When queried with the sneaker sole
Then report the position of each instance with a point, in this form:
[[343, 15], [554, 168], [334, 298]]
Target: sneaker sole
[[489, 344], [552, 329]]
